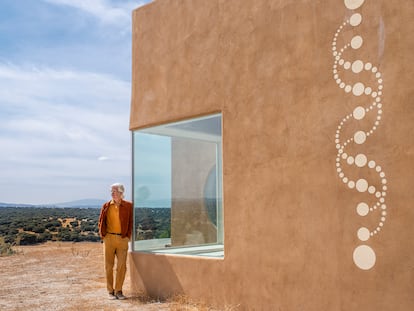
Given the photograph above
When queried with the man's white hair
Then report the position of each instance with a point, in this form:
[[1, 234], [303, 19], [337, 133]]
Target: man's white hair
[[120, 187]]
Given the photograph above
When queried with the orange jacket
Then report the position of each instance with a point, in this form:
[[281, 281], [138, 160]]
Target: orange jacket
[[125, 216]]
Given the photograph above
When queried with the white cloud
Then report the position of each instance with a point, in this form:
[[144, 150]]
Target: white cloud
[[106, 11], [55, 124], [64, 122]]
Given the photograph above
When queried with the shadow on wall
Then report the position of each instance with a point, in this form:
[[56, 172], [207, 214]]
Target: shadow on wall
[[146, 272]]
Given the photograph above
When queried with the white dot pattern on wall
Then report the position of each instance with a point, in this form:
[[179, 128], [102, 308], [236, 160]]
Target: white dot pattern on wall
[[364, 256]]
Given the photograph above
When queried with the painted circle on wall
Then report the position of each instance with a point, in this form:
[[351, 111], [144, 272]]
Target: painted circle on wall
[[362, 209], [355, 19], [359, 113], [360, 137], [363, 234], [364, 257], [361, 160], [361, 185], [353, 4], [356, 42], [357, 66], [358, 89]]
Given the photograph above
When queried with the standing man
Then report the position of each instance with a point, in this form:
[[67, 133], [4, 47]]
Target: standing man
[[115, 228]]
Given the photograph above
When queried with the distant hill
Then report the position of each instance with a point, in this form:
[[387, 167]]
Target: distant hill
[[80, 203], [16, 205], [161, 203], [77, 203], [94, 203]]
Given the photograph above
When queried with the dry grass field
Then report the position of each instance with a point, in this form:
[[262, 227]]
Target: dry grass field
[[67, 276]]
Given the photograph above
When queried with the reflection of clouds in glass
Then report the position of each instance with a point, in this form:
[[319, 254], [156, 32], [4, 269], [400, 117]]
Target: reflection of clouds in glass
[[142, 193], [153, 153], [152, 172], [159, 147]]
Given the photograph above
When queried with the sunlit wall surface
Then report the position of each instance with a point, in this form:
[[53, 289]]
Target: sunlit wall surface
[[177, 182]]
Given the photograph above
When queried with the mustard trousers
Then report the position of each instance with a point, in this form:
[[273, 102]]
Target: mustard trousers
[[115, 246]]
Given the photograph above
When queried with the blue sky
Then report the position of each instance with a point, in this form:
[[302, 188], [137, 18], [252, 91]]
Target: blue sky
[[65, 86]]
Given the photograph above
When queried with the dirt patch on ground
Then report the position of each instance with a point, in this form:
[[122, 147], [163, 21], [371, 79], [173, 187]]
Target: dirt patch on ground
[[64, 276]]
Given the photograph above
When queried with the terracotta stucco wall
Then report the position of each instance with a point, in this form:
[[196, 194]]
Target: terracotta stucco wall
[[291, 219]]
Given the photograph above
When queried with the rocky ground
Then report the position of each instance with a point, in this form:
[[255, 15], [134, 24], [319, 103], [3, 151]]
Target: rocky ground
[[66, 276]]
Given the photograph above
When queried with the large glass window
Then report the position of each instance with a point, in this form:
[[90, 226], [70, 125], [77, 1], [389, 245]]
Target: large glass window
[[177, 182]]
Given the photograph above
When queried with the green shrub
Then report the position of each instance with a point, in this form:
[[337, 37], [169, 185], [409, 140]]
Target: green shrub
[[53, 225], [25, 238], [43, 237], [39, 229], [17, 222]]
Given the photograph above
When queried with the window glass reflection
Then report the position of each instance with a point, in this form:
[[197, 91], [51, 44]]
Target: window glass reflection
[[177, 188]]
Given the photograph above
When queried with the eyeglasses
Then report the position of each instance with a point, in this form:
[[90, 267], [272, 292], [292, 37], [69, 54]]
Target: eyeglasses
[[115, 191]]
